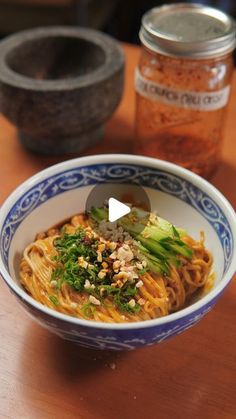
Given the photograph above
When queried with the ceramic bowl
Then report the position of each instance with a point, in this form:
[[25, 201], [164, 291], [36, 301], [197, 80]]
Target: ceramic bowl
[[59, 85], [61, 191]]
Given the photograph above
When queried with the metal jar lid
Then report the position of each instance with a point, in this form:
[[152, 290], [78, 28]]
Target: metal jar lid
[[188, 30]]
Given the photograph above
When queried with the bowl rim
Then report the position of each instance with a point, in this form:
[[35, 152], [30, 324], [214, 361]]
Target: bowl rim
[[113, 63], [137, 160]]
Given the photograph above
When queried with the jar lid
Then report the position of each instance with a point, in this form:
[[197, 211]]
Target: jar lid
[[188, 30]]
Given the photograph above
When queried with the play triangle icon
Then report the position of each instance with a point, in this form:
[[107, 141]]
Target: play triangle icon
[[116, 209]]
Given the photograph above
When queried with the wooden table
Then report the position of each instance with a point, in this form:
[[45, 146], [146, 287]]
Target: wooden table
[[43, 377]]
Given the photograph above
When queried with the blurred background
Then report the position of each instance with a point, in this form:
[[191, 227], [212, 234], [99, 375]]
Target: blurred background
[[120, 18]]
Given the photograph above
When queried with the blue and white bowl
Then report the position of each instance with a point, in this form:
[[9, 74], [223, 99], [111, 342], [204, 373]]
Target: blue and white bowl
[[61, 191]]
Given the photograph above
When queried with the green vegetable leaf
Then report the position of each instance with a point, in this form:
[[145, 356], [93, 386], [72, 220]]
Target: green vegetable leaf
[[88, 309], [122, 303]]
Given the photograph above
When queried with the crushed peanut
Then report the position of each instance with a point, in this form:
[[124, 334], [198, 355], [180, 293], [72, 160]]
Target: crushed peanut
[[104, 265], [116, 264], [94, 300], [113, 255], [53, 284], [132, 303], [125, 253], [87, 284], [112, 246], [99, 256], [83, 263], [119, 283], [101, 247], [102, 274], [141, 301], [121, 275]]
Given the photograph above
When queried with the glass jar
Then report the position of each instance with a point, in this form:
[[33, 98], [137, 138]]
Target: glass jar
[[183, 85]]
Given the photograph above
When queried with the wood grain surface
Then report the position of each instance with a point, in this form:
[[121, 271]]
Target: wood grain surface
[[44, 377]]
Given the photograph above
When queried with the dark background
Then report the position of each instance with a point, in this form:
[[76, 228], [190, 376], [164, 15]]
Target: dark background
[[125, 21], [120, 18]]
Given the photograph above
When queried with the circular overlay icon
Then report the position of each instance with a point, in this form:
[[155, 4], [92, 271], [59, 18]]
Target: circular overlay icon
[[119, 199]]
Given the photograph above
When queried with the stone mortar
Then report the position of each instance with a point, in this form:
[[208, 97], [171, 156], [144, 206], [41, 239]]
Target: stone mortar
[[59, 85]]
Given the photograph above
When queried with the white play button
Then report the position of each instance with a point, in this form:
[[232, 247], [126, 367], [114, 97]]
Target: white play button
[[116, 209], [114, 196]]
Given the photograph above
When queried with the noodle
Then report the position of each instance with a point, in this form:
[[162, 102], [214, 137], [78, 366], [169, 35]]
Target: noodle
[[158, 295]]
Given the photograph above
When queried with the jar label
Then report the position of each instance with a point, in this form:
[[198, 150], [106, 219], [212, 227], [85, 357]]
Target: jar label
[[200, 101]]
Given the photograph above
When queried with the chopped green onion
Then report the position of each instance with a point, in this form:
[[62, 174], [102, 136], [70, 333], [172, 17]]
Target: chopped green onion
[[54, 300]]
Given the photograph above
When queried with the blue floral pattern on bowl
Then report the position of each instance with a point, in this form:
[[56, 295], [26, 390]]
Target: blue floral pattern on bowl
[[118, 340]]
